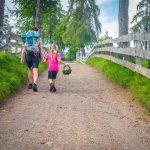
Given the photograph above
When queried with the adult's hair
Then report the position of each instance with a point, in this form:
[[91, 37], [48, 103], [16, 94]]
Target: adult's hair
[[35, 29]]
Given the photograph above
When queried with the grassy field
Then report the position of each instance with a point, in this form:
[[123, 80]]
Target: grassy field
[[138, 84], [12, 74]]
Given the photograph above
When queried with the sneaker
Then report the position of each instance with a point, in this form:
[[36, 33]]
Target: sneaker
[[35, 87], [51, 87], [54, 89], [30, 86]]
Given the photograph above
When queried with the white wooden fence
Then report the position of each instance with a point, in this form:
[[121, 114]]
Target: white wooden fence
[[129, 57], [9, 41]]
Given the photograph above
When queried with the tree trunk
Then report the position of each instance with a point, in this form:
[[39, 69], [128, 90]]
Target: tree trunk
[[123, 20], [38, 15], [2, 5], [83, 51]]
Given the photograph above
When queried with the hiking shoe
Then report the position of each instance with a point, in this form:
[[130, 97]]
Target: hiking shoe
[[35, 87], [30, 86], [51, 87], [54, 89]]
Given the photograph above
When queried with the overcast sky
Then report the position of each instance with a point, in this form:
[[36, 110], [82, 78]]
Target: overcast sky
[[108, 16]]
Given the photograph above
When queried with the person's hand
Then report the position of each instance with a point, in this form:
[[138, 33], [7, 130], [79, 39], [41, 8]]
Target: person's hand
[[22, 60], [43, 60]]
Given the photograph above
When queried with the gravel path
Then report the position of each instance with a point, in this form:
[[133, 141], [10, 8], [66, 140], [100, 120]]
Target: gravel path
[[88, 112]]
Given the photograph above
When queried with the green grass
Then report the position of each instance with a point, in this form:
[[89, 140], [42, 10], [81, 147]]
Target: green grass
[[138, 84], [12, 74], [78, 62]]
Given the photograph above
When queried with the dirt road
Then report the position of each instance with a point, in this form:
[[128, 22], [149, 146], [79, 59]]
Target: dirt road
[[87, 113]]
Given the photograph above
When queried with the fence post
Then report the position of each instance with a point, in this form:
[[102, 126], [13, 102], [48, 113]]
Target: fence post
[[148, 50], [8, 41], [16, 44], [138, 46]]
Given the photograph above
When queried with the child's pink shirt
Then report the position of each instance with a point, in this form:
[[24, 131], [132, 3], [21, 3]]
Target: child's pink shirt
[[53, 63]]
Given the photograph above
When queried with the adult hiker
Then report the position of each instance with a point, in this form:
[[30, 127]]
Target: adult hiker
[[31, 52]]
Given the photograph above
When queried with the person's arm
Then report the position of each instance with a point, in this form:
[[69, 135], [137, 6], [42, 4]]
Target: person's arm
[[61, 62], [46, 58], [22, 54], [42, 50]]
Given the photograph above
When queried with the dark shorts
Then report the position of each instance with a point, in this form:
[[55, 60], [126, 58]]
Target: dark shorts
[[52, 74], [32, 60]]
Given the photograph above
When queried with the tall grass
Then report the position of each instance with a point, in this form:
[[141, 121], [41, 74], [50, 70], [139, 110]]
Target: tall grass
[[12, 74], [138, 84]]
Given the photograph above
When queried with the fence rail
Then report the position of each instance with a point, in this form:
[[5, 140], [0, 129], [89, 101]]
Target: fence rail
[[9, 41], [129, 57]]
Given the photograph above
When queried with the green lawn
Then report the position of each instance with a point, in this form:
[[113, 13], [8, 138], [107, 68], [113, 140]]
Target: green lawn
[[138, 84], [12, 74]]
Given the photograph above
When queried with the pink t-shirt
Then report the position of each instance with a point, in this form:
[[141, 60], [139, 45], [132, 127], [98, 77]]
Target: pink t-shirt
[[53, 63]]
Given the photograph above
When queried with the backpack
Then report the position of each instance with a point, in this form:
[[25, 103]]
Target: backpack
[[31, 41]]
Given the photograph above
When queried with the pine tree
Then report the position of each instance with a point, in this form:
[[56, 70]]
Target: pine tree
[[142, 17], [2, 5]]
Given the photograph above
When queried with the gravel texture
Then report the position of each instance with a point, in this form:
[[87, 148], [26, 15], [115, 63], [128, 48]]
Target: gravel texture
[[87, 112]]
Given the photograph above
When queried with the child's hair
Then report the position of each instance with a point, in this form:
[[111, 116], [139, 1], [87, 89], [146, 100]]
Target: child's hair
[[53, 51]]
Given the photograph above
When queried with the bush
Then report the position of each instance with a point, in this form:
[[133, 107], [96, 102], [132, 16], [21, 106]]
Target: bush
[[12, 74], [138, 84]]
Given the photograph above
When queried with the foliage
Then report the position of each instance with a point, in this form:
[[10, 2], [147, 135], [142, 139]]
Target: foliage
[[12, 74], [58, 32], [6, 20], [104, 38], [138, 84], [51, 13], [83, 24], [79, 27], [71, 54], [142, 17]]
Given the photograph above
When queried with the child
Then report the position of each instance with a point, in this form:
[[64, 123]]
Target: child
[[53, 59]]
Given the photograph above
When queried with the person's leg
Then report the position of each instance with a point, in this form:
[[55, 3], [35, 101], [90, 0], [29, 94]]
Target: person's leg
[[35, 78], [30, 75], [54, 89], [28, 60], [54, 75], [30, 78], [51, 83], [35, 65], [35, 75]]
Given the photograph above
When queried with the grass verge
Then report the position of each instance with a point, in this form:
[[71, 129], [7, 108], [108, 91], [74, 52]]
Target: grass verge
[[12, 74], [138, 84], [78, 62]]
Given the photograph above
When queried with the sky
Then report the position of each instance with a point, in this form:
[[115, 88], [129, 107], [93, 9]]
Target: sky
[[108, 16]]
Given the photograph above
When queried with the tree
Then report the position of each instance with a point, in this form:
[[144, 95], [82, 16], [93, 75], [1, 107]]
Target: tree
[[142, 17], [2, 5], [141, 22], [123, 19], [38, 14], [6, 20], [45, 14], [83, 26]]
